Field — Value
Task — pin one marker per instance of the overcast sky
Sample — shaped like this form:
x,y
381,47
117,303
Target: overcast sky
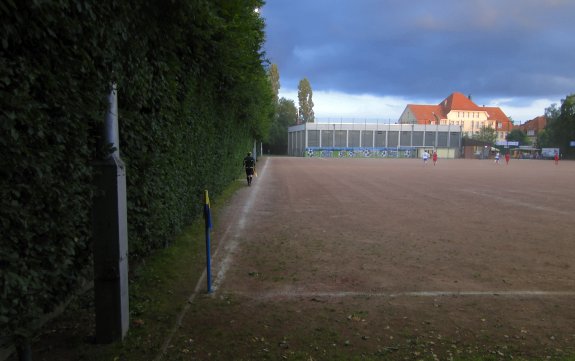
x,y
370,58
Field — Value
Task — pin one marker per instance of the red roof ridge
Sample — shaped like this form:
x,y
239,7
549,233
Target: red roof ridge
x,y
427,112
458,101
495,113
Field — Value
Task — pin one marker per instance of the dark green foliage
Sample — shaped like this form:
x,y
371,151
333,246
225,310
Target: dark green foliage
x,y
286,116
543,139
193,94
560,129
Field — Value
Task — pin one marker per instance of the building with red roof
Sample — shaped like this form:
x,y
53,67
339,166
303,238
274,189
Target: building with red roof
x,y
459,110
533,127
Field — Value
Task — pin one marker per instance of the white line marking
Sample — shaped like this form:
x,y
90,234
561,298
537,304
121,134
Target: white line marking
x,y
510,294
234,239
517,202
224,267
180,317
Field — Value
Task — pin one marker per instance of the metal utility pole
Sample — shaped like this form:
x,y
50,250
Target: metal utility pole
x,y
110,233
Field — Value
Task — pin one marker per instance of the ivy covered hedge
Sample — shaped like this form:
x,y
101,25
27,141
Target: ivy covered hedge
x,y
192,94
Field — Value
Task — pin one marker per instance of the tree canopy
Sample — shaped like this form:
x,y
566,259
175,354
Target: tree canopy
x,y
304,96
274,78
560,129
286,116
486,134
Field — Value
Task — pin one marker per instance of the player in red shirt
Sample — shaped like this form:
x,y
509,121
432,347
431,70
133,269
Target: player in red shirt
x,y
434,157
556,158
507,158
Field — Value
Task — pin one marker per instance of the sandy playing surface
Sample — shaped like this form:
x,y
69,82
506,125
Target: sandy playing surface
x,y
385,257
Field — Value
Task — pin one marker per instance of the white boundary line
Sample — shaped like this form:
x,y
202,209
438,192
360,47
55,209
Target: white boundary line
x,y
508,294
234,240
517,202
225,264
180,317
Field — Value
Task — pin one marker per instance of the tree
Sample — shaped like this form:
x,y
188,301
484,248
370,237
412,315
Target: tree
x,y
566,125
517,135
552,113
560,128
304,95
286,116
274,77
544,139
552,116
486,134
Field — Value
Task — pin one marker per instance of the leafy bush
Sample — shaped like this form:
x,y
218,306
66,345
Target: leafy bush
x,y
193,95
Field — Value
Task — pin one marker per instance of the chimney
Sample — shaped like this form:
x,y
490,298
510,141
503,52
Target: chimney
x,y
469,96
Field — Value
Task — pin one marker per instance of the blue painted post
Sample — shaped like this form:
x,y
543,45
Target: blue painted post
x,y
208,226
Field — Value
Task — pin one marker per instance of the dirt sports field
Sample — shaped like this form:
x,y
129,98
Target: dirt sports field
x,y
324,259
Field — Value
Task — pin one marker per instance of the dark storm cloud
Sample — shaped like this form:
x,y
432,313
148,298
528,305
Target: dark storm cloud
x,y
422,48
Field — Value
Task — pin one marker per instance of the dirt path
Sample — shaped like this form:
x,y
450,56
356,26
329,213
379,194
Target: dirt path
x,y
327,258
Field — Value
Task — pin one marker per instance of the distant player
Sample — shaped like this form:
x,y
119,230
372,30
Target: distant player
x,y
425,157
507,156
496,158
434,157
250,166
556,158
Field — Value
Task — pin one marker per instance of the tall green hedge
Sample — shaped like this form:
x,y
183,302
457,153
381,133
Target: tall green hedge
x,y
192,93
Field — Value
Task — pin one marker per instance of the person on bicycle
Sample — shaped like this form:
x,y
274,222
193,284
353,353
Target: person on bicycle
x,y
250,166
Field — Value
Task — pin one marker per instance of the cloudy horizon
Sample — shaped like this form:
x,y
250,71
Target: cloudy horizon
x,y
370,58
359,107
